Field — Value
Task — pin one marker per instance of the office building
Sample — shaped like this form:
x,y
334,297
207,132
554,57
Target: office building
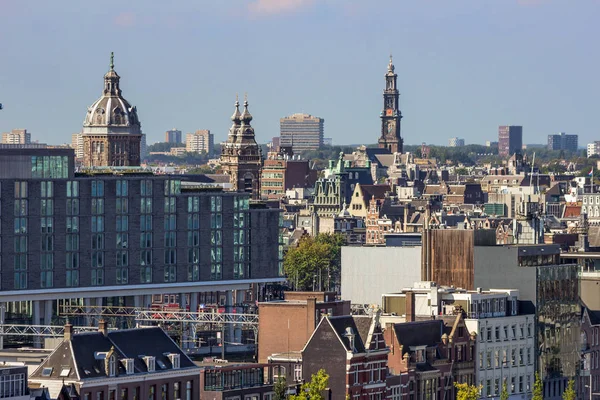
x,y
510,140
201,141
13,383
593,149
391,138
456,142
111,130
77,145
143,147
16,136
123,235
281,172
173,136
301,132
562,141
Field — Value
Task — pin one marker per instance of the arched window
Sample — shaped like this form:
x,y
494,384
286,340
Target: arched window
x,y
112,366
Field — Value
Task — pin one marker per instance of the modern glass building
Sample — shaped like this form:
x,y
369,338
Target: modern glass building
x,y
120,236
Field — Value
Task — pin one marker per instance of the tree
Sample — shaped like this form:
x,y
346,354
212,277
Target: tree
x,y
538,388
315,263
314,389
280,388
569,393
464,391
504,393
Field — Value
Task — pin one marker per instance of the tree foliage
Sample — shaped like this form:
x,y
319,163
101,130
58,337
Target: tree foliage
x,y
538,388
315,263
314,389
279,388
504,393
569,393
464,391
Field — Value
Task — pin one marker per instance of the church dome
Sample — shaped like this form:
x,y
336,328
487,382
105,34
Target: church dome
x,y
111,113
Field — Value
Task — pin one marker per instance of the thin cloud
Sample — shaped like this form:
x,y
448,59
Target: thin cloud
x,y
125,19
276,7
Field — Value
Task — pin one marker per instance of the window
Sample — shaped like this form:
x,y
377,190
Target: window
x,y
97,188
149,360
176,393
188,390
164,391
174,358
112,366
297,372
124,394
489,359
152,392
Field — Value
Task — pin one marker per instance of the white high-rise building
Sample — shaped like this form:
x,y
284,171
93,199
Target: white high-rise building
x,y
456,142
593,149
16,136
77,145
199,141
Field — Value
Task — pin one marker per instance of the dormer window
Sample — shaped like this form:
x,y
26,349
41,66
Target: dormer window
x,y
112,366
175,360
128,363
150,363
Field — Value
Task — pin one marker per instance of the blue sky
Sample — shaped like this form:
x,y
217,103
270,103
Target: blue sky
x,y
464,66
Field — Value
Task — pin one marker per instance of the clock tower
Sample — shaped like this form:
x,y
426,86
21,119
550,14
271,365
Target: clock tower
x,y
390,116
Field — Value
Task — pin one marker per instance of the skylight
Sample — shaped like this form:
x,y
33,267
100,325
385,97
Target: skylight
x,y
65,372
47,371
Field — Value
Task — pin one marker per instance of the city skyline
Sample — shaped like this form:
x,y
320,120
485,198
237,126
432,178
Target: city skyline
x,y
466,65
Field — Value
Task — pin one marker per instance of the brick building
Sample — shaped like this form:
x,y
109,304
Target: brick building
x,y
590,348
352,350
237,381
434,353
286,325
281,172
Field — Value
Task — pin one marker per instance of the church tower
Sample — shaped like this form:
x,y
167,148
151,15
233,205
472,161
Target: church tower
x,y
111,133
241,157
390,116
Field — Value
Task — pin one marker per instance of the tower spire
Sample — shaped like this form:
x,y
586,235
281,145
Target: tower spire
x,y
246,116
112,61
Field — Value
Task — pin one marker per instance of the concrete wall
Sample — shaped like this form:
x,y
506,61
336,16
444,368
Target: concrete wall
x,y
369,272
497,267
590,289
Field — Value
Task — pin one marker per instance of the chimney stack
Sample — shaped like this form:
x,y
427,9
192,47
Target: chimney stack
x,y
102,327
68,333
410,306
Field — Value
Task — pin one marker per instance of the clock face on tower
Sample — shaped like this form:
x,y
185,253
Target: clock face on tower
x,y
389,112
390,128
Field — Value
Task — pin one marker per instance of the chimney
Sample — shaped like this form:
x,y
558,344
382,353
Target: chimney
x,y
410,306
68,334
102,327
311,315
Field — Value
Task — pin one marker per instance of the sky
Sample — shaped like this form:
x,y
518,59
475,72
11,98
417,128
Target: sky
x,y
464,66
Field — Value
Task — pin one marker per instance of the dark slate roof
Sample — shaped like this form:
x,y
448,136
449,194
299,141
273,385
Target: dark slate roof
x,y
378,191
594,316
148,342
363,325
85,346
419,333
340,325
81,354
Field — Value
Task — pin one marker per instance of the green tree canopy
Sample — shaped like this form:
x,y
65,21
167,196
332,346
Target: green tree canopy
x,y
279,388
569,393
538,388
314,389
504,393
315,263
464,391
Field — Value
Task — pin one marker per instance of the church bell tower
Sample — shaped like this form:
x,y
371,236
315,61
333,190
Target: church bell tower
x,y
390,116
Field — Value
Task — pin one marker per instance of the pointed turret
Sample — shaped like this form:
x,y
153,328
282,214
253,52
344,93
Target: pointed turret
x,y
391,67
236,118
246,116
111,79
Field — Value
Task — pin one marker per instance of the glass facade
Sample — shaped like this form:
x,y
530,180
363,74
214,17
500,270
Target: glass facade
x,y
49,167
